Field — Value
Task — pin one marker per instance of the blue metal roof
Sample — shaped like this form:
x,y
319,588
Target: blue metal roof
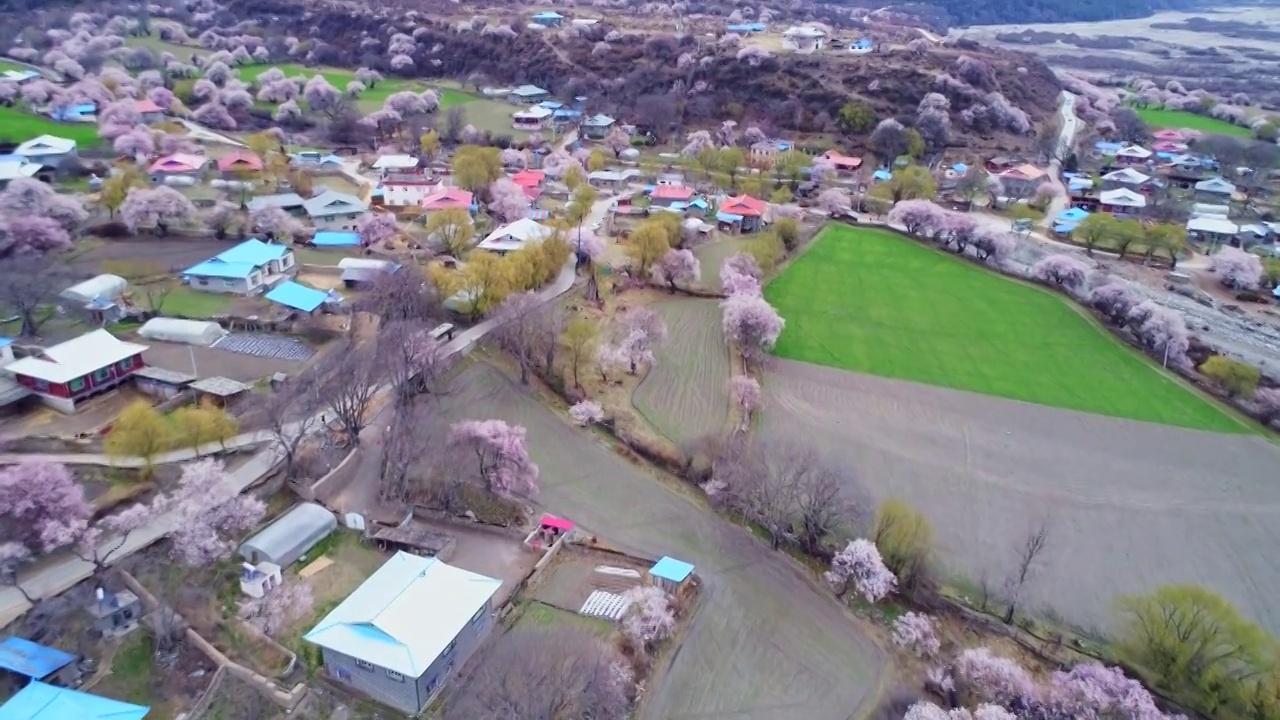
x,y
549,14
215,268
551,104
5,341
882,175
38,701
728,217
253,252
746,27
669,568
32,659
1072,215
297,296
960,168
330,238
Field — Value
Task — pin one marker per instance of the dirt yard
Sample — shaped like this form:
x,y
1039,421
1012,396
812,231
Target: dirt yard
x,y
574,575
212,361
489,553
1130,505
165,253
685,395
766,643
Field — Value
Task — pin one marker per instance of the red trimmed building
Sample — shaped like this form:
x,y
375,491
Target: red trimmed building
x,y
78,369
744,212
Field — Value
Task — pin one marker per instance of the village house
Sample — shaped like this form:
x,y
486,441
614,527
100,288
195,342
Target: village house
x,y
405,631
1000,163
597,127
742,214
448,198
548,19
150,112
530,181
531,119
332,210
74,371
19,76
613,180
843,163
805,38
1133,155
246,269
1166,146
77,113
299,297
765,153
406,189
1021,181
47,150
1210,210
177,165
667,195
1122,201
1214,229
312,159
13,167
513,236
291,203
1215,189
1125,177
395,163
361,272
239,163
527,95
1169,135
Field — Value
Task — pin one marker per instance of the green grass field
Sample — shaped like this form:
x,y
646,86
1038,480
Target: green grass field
x,y
870,301
6,65
1183,120
17,125
194,304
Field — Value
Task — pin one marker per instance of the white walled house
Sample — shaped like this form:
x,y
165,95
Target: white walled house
x,y
331,210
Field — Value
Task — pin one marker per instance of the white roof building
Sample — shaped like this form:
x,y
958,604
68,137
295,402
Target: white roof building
x,y
406,614
1212,225
804,31
536,112
395,162
104,287
177,330
1134,152
331,202
76,358
22,168
45,145
1122,197
1216,186
513,236
1127,176
1207,210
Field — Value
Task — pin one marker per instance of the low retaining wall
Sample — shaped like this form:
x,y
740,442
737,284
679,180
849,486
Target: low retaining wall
x,y
337,477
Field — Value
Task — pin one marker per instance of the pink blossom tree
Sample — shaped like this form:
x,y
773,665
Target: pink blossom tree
x,y
100,543
208,514
834,201
276,223
1237,269
321,96
677,266
407,103
992,246
586,412
649,618
617,140
916,632
163,97
137,142
376,228
118,118
822,170
1162,331
610,357
860,563
644,332
557,164
282,606
1065,271
752,324
917,217
734,283
217,72
1115,302
512,158
984,676
507,200
236,100
501,454
276,91
745,392
28,197
215,115
42,507
696,142
1093,690
32,235
160,207
288,112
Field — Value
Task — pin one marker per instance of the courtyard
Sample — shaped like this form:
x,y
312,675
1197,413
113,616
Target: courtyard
x,y
870,301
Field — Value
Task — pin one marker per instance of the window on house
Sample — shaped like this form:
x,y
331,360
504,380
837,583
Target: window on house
x,y
450,648
479,614
228,283
398,677
76,385
126,363
203,282
41,384
103,374
364,664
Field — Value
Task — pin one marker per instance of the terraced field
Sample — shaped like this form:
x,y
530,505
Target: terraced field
x,y
685,395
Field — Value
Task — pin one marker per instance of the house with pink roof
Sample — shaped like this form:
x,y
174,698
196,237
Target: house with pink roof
x,y
177,164
448,198
1169,135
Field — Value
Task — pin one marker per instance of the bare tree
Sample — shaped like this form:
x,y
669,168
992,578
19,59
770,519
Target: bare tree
x,y
291,413
350,377
402,295
744,482
409,441
414,363
550,323
28,286
156,294
562,673
518,329
1027,552
826,499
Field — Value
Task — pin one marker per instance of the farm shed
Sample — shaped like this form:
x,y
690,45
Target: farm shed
x,y
107,287
190,332
290,536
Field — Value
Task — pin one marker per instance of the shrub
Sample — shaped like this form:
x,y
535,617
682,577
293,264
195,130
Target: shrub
x,y
905,540
1237,378
788,232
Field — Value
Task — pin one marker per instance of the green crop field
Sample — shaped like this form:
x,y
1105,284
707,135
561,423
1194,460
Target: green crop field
x,y
870,301
17,125
1183,120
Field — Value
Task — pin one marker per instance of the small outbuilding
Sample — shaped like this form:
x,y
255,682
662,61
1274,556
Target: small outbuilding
x,y
219,391
357,272
674,576
189,332
105,287
290,536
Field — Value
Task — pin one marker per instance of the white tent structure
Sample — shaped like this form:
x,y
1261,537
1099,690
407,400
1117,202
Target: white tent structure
x,y
102,287
290,536
190,332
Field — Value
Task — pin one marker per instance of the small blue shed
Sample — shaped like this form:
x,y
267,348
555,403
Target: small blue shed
x,y
674,576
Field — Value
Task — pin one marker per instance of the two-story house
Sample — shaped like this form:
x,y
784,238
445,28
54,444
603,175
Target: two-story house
x,y
400,635
47,150
249,268
332,210
78,369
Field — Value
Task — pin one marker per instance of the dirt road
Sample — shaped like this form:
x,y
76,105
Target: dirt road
x,y
766,644
1131,505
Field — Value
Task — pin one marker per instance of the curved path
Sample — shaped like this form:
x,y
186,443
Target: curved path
x,y
766,643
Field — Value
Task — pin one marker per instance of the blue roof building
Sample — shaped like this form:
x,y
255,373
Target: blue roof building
x,y
38,701
241,270
73,113
671,574
742,28
32,660
882,175
862,45
548,17
335,238
253,252
298,296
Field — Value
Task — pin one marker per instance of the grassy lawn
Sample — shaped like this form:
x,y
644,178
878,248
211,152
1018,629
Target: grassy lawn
x,y
537,614
6,65
870,301
131,670
1183,120
19,126
194,304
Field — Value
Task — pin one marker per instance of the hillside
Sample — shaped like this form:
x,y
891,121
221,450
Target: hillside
x,y
1000,12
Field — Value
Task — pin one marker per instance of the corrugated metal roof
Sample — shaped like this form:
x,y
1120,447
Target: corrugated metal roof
x,y
31,659
405,615
39,701
253,252
214,268
297,296
76,357
669,568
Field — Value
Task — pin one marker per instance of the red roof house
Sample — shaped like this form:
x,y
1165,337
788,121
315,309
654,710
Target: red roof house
x,y
1170,135
529,178
668,194
146,107
744,205
240,161
179,164
448,198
